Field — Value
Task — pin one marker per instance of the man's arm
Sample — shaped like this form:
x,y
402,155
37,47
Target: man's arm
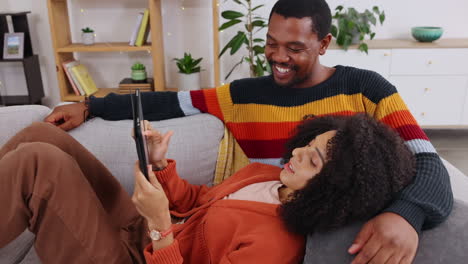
x,y
156,106
392,237
428,200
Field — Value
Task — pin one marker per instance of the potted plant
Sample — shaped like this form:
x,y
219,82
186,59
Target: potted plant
x,y
189,72
247,36
351,26
138,72
87,36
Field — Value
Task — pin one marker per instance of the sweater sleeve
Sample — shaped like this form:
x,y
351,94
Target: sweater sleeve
x,y
272,248
162,105
182,195
428,200
169,255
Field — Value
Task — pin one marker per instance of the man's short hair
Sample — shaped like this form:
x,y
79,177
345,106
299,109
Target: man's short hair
x,y
317,10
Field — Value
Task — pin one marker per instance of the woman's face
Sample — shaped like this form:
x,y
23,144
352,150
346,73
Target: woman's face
x,y
306,162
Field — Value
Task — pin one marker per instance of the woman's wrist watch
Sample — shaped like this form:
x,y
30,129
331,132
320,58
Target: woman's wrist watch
x,y
156,235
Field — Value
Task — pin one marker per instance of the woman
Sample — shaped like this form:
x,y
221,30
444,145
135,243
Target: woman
x,y
337,169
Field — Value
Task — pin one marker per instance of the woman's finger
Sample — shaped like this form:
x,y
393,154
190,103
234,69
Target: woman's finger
x,y
166,137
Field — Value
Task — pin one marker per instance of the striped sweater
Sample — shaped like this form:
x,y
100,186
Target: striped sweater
x,y
262,115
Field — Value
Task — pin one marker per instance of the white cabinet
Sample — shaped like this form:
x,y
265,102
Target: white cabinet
x,y
378,60
429,62
432,81
433,100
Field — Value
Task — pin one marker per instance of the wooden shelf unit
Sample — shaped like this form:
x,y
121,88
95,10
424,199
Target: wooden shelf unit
x,y
59,20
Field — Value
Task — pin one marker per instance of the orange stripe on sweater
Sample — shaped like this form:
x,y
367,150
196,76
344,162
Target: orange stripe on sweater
x,y
212,103
399,118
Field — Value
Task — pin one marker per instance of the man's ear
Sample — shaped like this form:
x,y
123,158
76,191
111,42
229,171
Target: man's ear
x,y
324,43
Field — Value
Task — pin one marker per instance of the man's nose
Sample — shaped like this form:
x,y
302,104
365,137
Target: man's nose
x,y
281,55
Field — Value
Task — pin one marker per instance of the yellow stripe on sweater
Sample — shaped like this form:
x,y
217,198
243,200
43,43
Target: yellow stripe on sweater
x,y
389,105
225,101
270,113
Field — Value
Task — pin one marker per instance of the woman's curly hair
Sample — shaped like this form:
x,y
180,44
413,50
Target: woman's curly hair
x,y
368,164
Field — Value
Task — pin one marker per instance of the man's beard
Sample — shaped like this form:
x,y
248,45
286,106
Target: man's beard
x,y
294,81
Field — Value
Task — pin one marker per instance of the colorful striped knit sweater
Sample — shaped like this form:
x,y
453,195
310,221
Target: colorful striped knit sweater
x,y
262,115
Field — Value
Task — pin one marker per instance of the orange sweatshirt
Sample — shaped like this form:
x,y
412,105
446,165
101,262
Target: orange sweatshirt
x,y
225,231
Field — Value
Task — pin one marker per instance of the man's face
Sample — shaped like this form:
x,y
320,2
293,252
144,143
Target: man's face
x,y
292,49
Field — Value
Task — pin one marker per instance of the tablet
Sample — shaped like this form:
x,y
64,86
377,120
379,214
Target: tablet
x,y
138,129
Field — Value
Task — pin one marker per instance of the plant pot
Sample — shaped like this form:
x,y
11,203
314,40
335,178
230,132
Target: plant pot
x,y
139,76
187,82
87,38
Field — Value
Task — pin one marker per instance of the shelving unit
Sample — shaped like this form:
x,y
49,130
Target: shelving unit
x,y
32,71
59,20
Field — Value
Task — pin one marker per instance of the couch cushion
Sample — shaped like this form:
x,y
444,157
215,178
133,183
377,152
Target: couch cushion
x,y
15,118
446,243
15,251
194,146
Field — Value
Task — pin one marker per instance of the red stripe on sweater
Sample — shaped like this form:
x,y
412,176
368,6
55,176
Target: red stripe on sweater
x,y
268,130
263,149
198,100
410,132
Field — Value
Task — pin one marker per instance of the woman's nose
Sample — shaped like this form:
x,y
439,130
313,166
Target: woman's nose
x,y
297,153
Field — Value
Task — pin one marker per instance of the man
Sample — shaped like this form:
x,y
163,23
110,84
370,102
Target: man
x,y
261,113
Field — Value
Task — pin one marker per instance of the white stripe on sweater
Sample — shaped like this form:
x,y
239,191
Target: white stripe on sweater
x,y
274,162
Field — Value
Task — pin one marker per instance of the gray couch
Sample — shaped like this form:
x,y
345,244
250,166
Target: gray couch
x,y
194,145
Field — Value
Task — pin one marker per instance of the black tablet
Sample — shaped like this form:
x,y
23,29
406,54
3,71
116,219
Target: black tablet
x,y
138,129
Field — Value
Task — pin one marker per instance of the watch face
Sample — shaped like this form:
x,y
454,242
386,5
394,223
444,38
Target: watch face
x,y
155,235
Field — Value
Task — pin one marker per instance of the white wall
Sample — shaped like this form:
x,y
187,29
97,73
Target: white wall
x,y
191,30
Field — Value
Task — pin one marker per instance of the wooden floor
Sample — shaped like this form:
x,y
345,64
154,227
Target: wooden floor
x,y
452,145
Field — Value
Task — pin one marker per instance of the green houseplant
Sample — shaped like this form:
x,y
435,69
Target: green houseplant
x,y
351,26
255,46
87,36
138,72
189,72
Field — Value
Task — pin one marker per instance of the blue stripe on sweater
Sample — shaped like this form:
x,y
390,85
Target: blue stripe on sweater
x,y
420,146
186,105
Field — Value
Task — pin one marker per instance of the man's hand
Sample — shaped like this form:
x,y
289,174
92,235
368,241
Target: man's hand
x,y
387,238
68,116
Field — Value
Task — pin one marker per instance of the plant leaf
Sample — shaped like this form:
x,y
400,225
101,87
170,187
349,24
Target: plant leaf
x,y
376,9
339,8
372,35
258,40
229,24
334,31
258,49
259,68
258,23
229,14
228,45
257,7
240,37
382,18
363,47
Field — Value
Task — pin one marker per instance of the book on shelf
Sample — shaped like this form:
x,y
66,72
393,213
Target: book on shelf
x,y
84,78
144,29
136,30
67,65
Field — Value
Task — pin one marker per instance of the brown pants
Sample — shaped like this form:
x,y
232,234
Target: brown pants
x,y
52,185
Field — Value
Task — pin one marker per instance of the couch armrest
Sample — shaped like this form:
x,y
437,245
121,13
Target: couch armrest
x,y
446,243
